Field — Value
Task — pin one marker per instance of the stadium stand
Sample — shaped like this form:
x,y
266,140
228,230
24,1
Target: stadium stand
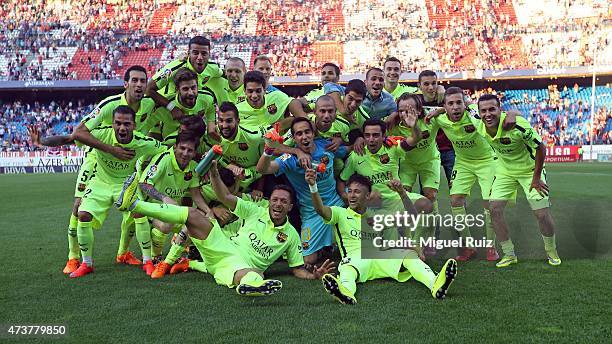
x,y
456,34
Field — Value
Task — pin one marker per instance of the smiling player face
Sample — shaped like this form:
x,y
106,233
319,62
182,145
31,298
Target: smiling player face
x,y
265,67
328,74
123,125
357,196
234,70
393,69
375,82
325,112
280,205
303,136
184,152
489,112
254,94
198,57
227,124
374,137
454,106
188,93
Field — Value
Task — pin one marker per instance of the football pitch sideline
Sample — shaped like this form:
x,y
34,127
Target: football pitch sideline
x,y
527,302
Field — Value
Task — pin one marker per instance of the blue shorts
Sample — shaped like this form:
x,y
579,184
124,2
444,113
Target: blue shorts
x,y
315,234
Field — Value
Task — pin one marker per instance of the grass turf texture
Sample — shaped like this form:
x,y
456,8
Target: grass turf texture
x,y
529,302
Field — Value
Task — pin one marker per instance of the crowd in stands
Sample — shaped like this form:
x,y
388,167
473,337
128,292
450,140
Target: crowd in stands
x,y
561,116
452,34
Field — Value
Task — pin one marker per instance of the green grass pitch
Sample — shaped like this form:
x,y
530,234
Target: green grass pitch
x,y
529,302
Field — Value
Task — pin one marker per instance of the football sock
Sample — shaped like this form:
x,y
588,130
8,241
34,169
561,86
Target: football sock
x,y
127,233
143,235
86,241
164,212
432,224
550,245
175,253
197,266
490,232
251,277
158,239
348,277
418,269
73,242
460,212
507,247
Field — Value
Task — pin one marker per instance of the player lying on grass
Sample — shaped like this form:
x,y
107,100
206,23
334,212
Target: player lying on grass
x,y
102,191
350,233
263,238
521,156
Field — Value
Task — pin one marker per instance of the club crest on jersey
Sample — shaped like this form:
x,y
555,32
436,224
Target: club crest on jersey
x,y
205,80
243,146
152,171
324,159
240,99
166,73
188,176
285,157
469,128
272,109
384,158
305,245
95,112
81,187
281,237
425,134
505,141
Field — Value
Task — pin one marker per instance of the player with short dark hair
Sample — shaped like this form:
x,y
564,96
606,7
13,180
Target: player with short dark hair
x,y
378,103
350,233
393,71
111,171
521,153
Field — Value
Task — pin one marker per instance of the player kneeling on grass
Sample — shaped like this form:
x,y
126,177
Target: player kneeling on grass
x,y
265,236
349,231
518,166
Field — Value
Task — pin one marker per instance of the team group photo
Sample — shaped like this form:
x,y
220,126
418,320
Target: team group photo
x,y
295,171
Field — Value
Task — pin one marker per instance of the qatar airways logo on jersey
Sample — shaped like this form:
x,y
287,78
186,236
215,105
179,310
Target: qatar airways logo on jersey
x,y
116,165
464,143
260,246
378,178
363,235
174,193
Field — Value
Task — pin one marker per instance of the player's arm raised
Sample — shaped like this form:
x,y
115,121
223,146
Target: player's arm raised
x,y
49,141
223,195
397,186
321,209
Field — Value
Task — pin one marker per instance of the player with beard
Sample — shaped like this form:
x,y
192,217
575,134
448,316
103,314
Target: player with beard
x,y
191,102
316,236
162,87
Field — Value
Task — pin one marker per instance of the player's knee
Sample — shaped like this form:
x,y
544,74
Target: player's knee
x,y
541,214
85,216
424,205
76,205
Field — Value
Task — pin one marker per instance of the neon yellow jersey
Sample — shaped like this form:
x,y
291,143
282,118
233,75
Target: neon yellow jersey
x,y
164,173
380,167
111,170
204,107
102,114
260,242
276,103
426,149
211,77
401,89
346,224
468,144
515,148
235,96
